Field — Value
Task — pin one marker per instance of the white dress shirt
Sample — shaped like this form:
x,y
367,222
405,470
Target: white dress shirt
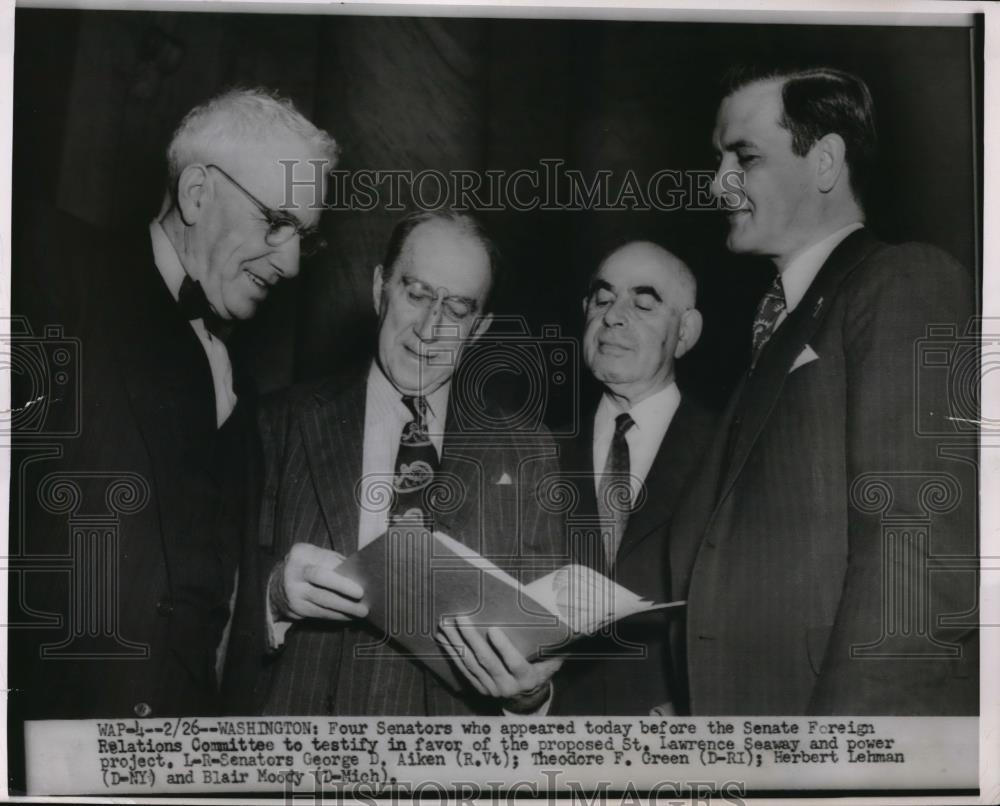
x,y
385,416
652,418
799,274
172,272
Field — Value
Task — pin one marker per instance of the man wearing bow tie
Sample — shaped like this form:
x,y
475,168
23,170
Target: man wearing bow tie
x,y
350,457
646,439
813,554
164,414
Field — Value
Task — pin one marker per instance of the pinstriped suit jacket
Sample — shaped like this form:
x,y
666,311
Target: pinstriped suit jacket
x,y
812,550
313,442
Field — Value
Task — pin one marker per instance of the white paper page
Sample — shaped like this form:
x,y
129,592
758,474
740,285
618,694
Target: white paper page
x,y
587,599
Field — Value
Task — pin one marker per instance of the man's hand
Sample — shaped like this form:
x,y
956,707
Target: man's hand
x,y
306,585
495,667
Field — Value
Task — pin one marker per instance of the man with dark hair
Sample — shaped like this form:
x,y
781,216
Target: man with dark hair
x,y
329,450
821,101
812,520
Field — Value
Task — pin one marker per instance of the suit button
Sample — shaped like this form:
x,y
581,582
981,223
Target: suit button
x,y
142,710
164,607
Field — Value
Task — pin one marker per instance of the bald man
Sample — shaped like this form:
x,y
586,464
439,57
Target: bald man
x,y
638,448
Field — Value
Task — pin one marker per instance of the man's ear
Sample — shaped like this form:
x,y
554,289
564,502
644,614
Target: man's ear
x,y
830,153
378,283
689,332
194,191
482,325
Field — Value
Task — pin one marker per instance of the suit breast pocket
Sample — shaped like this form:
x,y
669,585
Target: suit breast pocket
x,y
805,357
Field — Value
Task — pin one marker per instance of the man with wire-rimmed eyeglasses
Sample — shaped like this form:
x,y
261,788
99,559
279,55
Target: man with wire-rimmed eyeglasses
x,y
354,456
165,427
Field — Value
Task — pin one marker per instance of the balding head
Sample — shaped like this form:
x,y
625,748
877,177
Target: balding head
x,y
640,317
638,254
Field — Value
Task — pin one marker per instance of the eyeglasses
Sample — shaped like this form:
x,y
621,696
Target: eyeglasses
x,y
281,226
457,309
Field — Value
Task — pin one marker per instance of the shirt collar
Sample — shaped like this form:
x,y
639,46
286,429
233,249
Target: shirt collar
x,y
389,398
166,259
646,413
800,273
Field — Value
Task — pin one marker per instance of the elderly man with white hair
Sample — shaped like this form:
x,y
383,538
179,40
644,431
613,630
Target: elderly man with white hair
x,y
164,447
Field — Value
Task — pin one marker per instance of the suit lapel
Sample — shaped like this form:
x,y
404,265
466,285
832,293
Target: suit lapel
x,y
577,462
665,480
393,682
166,369
464,461
763,385
332,427
167,377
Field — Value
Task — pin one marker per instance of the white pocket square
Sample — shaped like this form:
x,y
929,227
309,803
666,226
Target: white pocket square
x,y
807,355
505,479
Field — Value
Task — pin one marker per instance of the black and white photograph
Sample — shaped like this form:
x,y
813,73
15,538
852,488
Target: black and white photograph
x,y
498,402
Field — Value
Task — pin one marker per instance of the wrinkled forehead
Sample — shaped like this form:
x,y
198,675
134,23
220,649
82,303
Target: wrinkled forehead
x,y
634,269
444,254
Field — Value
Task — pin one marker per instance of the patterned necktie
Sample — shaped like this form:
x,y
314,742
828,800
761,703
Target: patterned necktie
x,y
614,492
416,464
768,312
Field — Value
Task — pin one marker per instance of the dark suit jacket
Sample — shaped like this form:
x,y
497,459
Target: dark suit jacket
x,y
812,549
313,440
628,672
151,493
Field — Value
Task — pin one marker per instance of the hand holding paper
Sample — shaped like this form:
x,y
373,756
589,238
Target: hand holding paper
x,y
494,666
306,585
503,636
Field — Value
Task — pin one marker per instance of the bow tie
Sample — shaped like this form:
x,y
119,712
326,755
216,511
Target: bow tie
x,y
193,304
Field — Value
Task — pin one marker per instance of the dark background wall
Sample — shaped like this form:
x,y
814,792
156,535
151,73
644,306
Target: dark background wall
x,y
97,95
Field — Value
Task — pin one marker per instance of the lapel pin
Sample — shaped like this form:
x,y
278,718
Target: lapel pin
x,y
817,306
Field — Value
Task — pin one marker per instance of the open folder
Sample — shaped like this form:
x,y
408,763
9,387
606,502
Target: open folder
x,y
414,578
